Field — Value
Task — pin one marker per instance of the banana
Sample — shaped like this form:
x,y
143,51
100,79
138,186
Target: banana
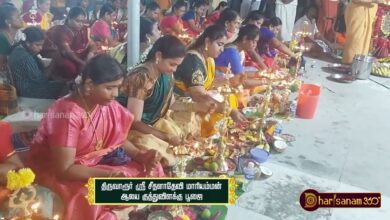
x,y
381,70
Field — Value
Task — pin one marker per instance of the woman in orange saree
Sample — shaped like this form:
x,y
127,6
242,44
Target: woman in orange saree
x,y
83,135
327,17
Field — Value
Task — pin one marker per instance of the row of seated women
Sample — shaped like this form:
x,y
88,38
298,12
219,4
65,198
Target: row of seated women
x,y
67,47
95,136
89,134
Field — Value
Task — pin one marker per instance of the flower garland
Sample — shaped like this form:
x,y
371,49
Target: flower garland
x,y
20,179
384,31
380,41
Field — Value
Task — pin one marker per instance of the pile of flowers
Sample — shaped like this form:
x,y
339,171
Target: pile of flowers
x,y
20,179
381,42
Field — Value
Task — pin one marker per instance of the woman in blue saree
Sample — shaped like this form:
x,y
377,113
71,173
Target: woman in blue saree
x,y
147,93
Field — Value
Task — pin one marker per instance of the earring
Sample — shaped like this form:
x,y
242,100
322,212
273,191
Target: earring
x,y
206,48
157,61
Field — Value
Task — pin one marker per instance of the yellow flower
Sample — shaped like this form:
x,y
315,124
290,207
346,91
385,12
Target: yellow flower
x,y
185,217
23,178
27,177
13,180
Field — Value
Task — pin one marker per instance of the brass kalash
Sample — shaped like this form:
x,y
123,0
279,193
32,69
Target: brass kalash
x,y
263,109
222,125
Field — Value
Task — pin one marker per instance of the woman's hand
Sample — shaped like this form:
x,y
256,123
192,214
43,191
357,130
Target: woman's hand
x,y
213,107
150,159
173,140
116,174
238,117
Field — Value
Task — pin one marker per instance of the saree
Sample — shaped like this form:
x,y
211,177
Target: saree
x,y
65,125
102,32
191,15
46,21
5,141
5,45
326,18
156,105
202,73
168,23
359,20
157,96
78,43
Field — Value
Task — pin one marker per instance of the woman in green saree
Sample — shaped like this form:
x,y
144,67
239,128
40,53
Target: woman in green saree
x,y
195,77
148,93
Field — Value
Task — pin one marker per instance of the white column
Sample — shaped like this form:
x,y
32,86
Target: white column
x,y
133,29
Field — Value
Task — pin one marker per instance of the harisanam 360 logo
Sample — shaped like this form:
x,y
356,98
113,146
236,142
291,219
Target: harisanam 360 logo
x,y
311,200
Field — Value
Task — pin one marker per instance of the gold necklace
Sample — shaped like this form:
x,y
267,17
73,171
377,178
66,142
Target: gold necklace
x,y
99,142
152,72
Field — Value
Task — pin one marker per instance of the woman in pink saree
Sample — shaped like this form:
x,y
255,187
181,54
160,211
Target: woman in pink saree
x,y
84,135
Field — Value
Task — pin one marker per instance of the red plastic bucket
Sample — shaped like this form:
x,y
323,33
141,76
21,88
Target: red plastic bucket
x,y
307,101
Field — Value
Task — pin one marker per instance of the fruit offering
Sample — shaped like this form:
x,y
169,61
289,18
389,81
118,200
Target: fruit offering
x,y
381,69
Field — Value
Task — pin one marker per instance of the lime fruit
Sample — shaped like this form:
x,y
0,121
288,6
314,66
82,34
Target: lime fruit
x,y
214,166
206,165
206,214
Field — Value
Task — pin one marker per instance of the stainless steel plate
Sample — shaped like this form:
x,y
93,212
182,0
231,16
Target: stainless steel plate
x,y
338,68
160,215
345,78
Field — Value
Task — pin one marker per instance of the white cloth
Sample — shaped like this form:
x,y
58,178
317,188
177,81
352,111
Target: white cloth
x,y
248,6
215,3
286,13
30,114
305,25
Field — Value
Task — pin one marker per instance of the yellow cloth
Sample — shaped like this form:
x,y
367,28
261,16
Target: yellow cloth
x,y
359,18
188,122
208,126
149,141
47,18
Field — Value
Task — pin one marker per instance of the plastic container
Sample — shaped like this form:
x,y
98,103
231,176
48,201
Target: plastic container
x,y
308,100
278,129
293,109
259,155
